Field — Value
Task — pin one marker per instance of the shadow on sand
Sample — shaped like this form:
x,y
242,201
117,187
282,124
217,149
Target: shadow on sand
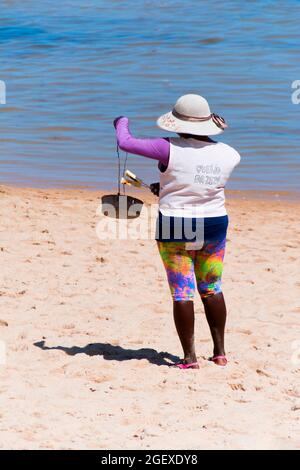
x,y
115,353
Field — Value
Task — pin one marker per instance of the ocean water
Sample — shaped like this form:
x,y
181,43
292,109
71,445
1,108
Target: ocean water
x,y
70,67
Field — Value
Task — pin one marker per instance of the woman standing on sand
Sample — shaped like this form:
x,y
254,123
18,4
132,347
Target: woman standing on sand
x,y
192,221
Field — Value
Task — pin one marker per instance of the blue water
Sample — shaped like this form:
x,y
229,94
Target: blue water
x,y
70,67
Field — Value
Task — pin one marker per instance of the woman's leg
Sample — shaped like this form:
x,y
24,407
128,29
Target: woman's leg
x,y
208,270
215,311
183,311
179,265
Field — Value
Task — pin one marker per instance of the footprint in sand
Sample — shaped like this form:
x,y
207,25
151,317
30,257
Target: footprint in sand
x,y
68,326
98,379
236,375
240,330
237,386
262,373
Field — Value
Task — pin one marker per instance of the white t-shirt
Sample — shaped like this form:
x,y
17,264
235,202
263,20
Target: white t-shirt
x,y
193,184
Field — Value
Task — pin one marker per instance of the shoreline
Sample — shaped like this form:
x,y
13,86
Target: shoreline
x,y
263,195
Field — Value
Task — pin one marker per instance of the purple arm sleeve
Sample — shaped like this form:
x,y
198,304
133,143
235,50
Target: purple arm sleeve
x,y
158,149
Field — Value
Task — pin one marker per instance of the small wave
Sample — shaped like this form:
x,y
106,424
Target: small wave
x,y
17,32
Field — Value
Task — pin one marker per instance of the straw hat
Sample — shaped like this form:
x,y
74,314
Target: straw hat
x,y
191,115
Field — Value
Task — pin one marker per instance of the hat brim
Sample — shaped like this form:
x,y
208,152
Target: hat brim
x,y
169,122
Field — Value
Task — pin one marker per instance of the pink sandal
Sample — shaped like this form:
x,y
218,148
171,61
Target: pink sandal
x,y
214,358
182,365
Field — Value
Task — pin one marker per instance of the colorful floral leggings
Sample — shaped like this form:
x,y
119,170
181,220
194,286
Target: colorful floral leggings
x,y
184,266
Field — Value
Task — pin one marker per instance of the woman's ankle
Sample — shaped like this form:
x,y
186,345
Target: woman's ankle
x,y
219,351
190,358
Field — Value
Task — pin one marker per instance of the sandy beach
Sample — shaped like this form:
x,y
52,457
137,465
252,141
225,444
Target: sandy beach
x,y
87,333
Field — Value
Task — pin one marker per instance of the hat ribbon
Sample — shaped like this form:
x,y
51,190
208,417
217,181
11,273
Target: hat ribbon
x,y
218,120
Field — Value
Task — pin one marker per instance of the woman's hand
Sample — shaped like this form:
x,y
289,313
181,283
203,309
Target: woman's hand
x,y
116,120
155,187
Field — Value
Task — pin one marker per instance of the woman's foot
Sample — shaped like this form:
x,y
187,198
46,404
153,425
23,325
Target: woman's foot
x,y
186,365
219,360
189,362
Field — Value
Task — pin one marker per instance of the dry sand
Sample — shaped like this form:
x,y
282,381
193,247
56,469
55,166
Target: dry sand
x,y
88,330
